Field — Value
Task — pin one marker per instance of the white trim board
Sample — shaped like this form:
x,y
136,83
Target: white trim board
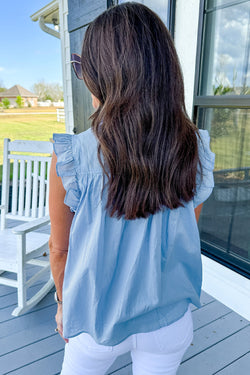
x,y
227,286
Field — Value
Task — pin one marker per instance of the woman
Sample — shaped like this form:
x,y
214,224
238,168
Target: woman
x,y
124,198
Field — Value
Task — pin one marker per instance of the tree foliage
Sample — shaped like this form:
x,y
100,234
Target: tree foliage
x,y
222,120
2,87
19,101
6,103
48,91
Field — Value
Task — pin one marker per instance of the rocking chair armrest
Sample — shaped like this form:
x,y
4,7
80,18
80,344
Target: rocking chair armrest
x,y
32,225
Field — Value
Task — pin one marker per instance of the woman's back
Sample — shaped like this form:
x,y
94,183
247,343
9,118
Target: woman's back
x,y
128,275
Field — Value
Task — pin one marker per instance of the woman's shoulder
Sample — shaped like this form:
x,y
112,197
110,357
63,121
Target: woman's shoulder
x,y
85,147
206,156
82,148
86,137
204,178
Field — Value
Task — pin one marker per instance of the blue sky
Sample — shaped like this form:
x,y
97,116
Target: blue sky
x,y
27,54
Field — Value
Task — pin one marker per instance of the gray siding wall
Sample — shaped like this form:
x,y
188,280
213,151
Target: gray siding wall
x,y
81,13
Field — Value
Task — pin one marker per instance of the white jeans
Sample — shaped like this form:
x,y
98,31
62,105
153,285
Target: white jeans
x,y
153,353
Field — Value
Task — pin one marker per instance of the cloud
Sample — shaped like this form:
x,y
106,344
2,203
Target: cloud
x,y
1,68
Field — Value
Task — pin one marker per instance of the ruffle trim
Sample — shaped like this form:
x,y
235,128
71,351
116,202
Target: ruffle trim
x,y
66,169
204,181
207,157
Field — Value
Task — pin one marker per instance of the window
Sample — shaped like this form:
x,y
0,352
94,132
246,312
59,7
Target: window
x,y
164,9
222,106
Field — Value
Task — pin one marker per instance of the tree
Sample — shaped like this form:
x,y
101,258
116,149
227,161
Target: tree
x,y
6,103
19,101
2,87
48,91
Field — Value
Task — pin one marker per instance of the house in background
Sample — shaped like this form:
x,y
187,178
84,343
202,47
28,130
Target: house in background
x,y
212,39
29,99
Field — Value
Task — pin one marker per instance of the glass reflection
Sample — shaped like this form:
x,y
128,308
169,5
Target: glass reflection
x,y
158,6
226,67
224,223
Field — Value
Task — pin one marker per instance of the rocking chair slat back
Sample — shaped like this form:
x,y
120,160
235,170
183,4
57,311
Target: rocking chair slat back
x,y
47,191
28,188
29,181
35,189
14,188
42,196
21,188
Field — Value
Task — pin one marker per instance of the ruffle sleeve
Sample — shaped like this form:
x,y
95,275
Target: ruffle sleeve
x,y
66,168
204,179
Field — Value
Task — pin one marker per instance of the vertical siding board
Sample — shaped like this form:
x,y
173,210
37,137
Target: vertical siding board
x,y
81,13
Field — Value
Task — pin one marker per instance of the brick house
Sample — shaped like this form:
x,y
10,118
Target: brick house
x,y
28,97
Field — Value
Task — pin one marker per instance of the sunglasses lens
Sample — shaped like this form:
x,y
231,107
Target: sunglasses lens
x,y
76,62
78,70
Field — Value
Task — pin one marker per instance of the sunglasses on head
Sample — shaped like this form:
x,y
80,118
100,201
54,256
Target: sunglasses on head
x,y
76,63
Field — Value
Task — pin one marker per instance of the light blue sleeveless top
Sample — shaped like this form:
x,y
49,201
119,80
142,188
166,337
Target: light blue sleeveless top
x,y
125,276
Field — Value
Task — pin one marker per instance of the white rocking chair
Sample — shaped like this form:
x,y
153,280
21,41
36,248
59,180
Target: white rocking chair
x,y
22,245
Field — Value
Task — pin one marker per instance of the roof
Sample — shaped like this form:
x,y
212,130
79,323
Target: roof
x,y
50,12
17,90
48,15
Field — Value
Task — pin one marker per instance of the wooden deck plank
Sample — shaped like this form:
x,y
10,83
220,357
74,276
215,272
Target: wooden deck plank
x,y
5,311
208,313
218,356
29,354
49,365
43,312
239,367
33,334
10,299
214,332
205,298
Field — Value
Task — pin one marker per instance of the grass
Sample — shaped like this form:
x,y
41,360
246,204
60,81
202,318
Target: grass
x,y
29,109
232,150
31,127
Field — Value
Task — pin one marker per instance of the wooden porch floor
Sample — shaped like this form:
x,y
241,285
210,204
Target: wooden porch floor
x,y
29,345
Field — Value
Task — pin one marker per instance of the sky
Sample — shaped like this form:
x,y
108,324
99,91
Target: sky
x,y
27,54
231,44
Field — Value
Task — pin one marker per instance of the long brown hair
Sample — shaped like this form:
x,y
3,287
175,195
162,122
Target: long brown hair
x,y
148,143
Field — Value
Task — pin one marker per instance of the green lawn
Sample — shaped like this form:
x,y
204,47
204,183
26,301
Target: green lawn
x,y
232,150
30,127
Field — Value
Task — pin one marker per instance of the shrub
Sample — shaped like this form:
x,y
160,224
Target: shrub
x,y
19,101
6,103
